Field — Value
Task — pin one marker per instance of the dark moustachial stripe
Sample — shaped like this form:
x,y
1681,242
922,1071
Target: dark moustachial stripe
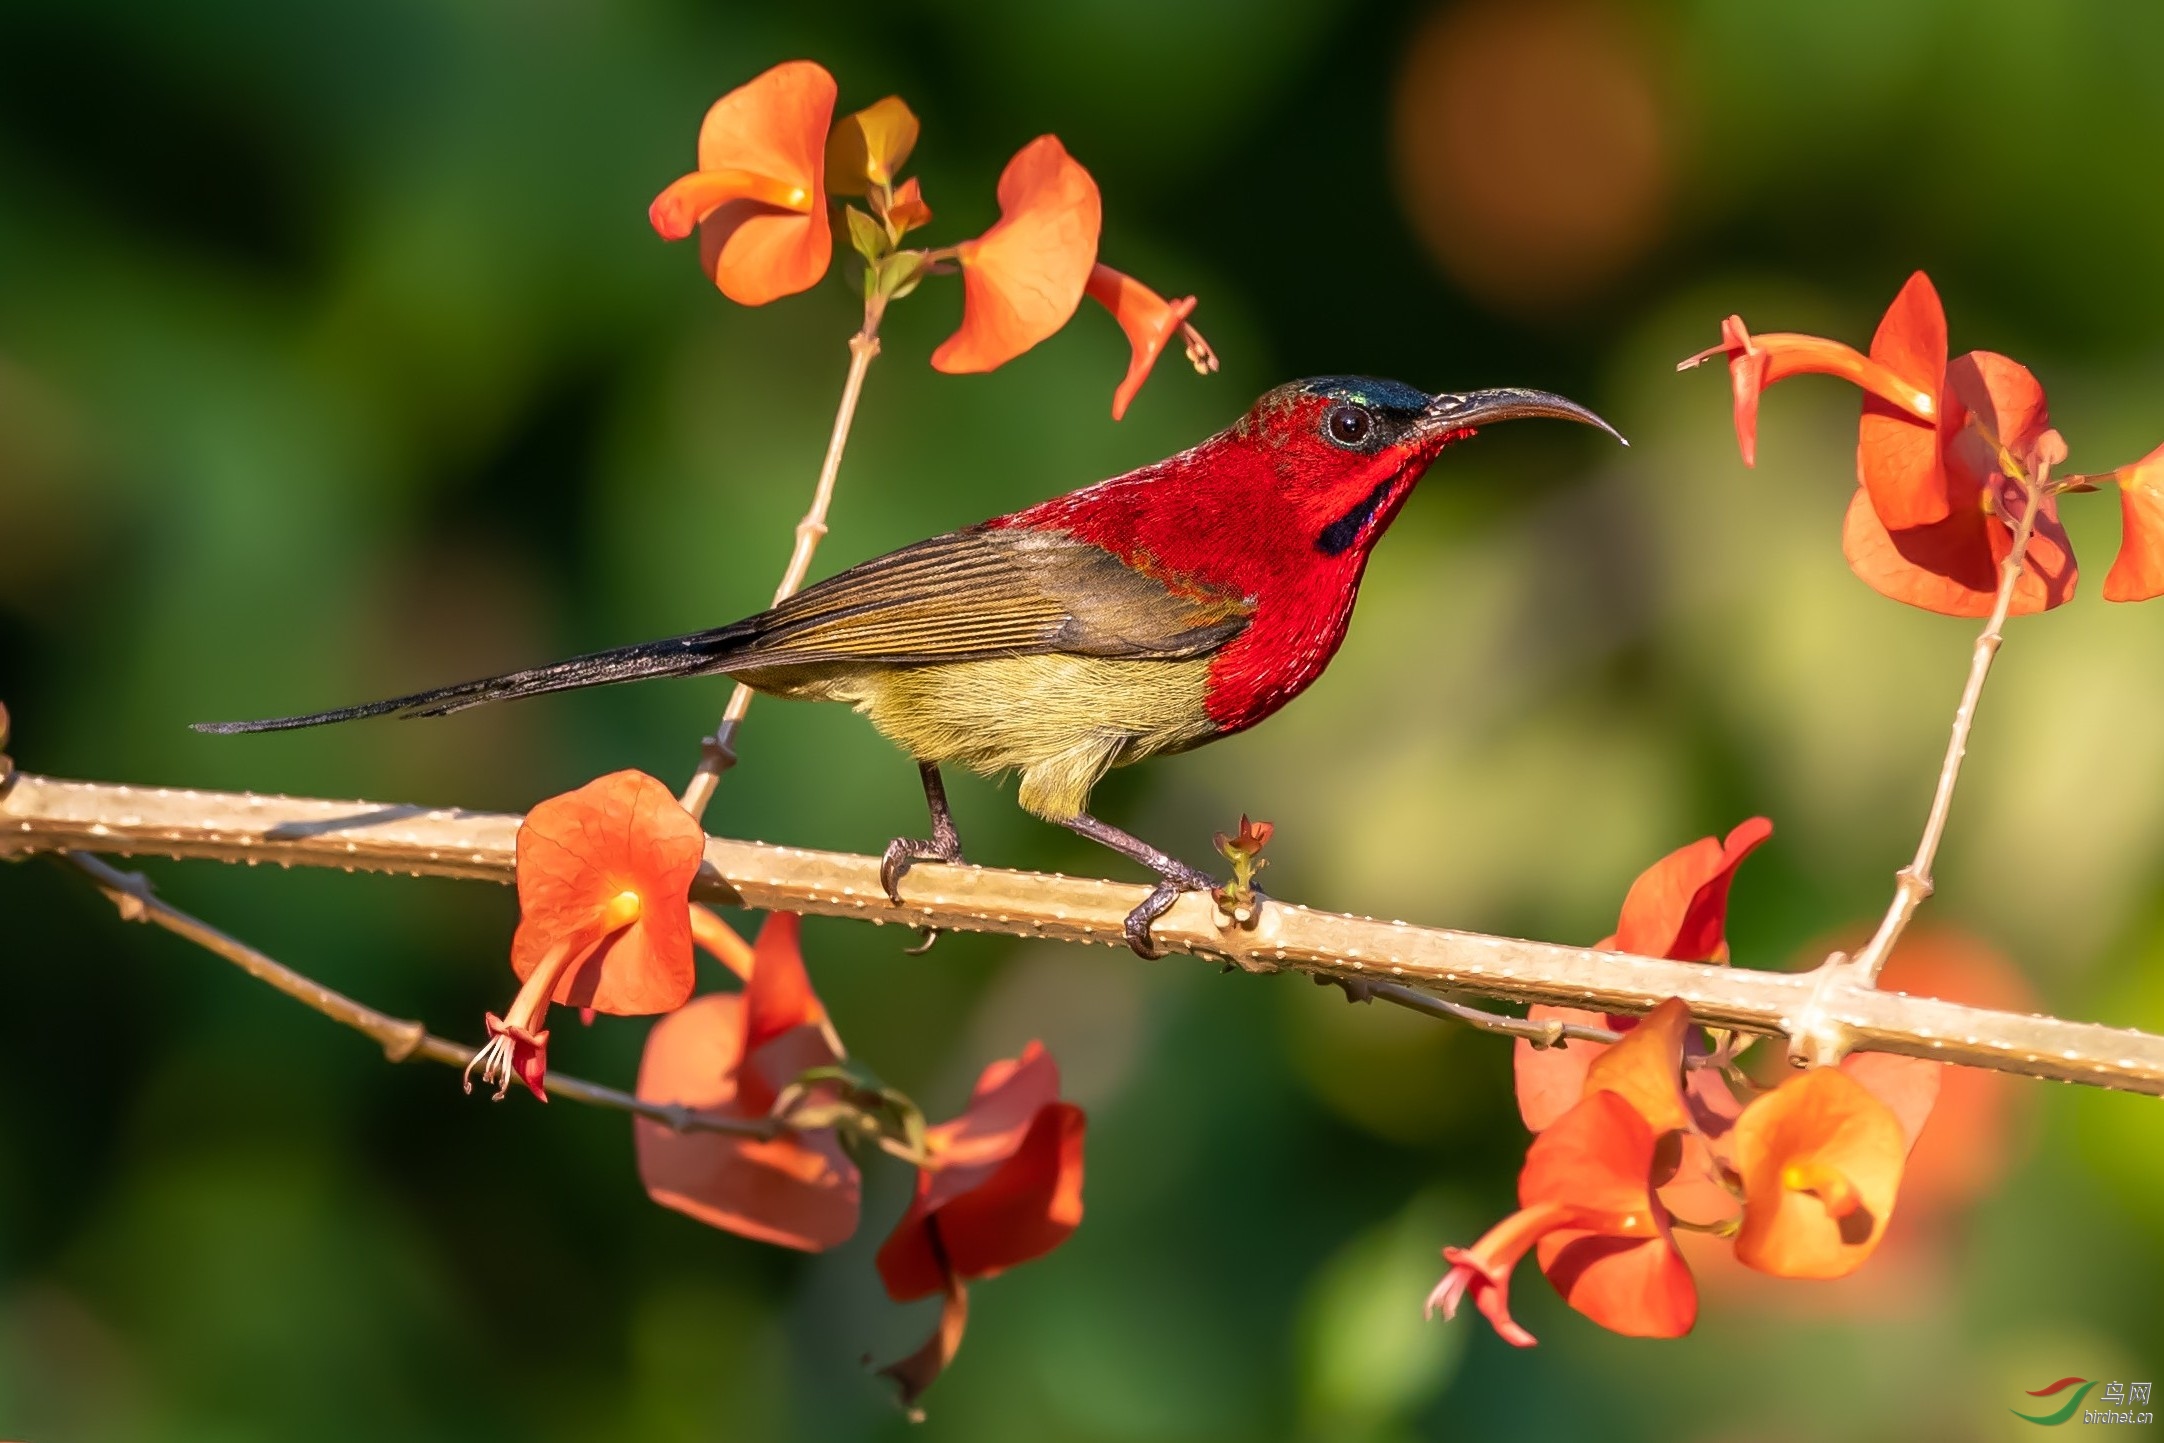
x,y
1337,538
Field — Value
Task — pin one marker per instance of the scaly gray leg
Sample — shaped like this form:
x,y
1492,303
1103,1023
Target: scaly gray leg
x,y
1178,877
944,845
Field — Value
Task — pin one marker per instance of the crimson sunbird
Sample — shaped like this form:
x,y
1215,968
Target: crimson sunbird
x,y
1156,611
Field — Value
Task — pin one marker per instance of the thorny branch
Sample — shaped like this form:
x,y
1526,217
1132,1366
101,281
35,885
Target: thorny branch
x,y
1824,1013
400,1039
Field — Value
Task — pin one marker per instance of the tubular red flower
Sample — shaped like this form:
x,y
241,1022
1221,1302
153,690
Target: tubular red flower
x,y
729,1055
1150,322
1756,362
1023,278
1588,1207
758,197
2138,572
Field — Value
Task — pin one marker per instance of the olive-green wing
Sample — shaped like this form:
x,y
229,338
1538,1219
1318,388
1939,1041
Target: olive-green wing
x,y
988,592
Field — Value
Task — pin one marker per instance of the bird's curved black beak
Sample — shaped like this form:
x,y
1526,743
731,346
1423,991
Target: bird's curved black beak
x,y
1463,410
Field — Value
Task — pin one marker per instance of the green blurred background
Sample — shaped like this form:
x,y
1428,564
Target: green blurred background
x,y
336,359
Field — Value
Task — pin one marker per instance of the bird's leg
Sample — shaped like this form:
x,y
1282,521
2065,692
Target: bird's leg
x,y
1178,877
944,845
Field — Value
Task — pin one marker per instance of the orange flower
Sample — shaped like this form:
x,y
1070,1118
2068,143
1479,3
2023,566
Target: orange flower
x,y
1932,518
1150,322
1587,1204
1023,278
2138,573
604,891
730,1054
758,197
1677,908
1952,566
1002,1185
1821,1159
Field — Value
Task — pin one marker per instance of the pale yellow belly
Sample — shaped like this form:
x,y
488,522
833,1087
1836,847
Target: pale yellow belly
x,y
1061,721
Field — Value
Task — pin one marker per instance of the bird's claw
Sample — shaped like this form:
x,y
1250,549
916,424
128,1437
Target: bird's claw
x,y
905,852
1137,926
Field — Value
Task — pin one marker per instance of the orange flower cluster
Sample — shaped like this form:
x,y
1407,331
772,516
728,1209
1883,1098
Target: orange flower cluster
x,y
606,922
1944,452
769,157
1641,1137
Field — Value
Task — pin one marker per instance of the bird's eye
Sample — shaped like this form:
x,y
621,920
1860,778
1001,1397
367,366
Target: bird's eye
x,y
1349,425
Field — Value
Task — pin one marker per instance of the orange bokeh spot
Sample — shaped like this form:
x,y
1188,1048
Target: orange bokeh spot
x,y
1533,149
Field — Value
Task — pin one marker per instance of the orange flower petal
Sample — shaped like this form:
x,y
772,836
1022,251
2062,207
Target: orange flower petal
x,y
1907,1085
1678,907
1821,1162
1952,567
870,145
1897,441
1029,1204
677,211
1615,1261
1023,278
909,210
1968,1143
1639,1287
1017,1146
2138,572
774,126
1550,1080
1149,320
1645,1069
785,1026
577,855
797,1190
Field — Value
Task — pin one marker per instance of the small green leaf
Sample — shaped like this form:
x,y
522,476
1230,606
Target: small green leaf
x,y
900,273
868,236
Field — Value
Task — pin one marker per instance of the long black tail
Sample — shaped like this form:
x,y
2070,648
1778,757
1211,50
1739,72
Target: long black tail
x,y
700,653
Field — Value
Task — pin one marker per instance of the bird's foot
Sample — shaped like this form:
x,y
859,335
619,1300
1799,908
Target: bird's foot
x,y
905,852
1159,902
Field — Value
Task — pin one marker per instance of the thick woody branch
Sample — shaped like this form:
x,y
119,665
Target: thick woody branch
x,y
1824,1013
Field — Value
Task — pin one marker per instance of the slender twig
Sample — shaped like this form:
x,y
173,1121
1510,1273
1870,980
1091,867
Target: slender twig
x,y
1912,884
1541,1032
718,753
1824,1007
400,1039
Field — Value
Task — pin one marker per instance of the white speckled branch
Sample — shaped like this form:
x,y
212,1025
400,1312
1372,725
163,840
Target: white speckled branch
x,y
1823,1014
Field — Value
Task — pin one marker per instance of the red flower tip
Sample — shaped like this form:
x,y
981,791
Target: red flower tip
x,y
511,1052
729,1055
1150,322
2138,572
758,197
1023,278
